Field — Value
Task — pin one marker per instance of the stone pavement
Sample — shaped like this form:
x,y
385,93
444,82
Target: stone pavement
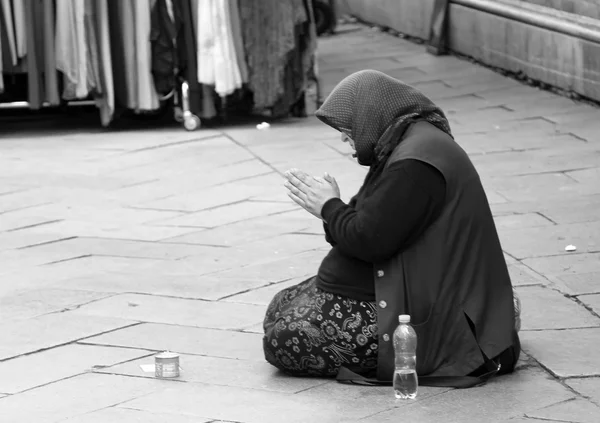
x,y
115,245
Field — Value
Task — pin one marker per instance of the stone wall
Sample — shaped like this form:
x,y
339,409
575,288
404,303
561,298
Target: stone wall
x,y
569,62
589,8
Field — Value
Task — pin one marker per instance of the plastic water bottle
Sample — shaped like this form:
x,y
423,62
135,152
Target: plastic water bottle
x,y
405,348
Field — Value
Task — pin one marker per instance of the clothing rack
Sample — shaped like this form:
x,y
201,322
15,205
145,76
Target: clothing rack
x,y
199,57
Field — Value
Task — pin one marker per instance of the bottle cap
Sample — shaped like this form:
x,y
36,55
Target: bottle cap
x,y
404,318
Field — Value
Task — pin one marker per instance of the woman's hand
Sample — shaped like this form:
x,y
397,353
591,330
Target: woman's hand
x,y
311,192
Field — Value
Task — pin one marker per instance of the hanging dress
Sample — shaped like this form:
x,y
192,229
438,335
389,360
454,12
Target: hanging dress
x,y
35,56
8,24
238,42
206,42
71,48
146,91
202,99
50,74
227,72
20,27
105,102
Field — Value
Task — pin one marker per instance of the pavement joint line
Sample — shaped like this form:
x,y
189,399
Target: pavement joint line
x,y
150,351
543,419
244,178
576,136
98,369
174,144
14,192
587,307
159,210
105,296
75,375
47,242
49,222
570,253
67,259
249,150
137,184
73,341
564,172
31,206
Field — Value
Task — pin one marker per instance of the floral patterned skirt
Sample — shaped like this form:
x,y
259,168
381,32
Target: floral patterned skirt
x,y
310,332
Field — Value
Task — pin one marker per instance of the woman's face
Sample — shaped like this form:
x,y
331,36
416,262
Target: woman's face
x,y
346,138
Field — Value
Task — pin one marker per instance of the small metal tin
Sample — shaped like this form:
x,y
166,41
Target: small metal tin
x,y
166,365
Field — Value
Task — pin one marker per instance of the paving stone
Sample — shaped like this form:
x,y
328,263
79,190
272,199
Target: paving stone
x,y
250,405
33,370
578,283
13,260
537,301
239,233
565,265
177,311
26,336
186,340
123,248
588,387
74,228
216,196
22,238
125,415
592,301
98,211
225,372
382,397
576,411
502,398
228,214
587,175
161,282
264,295
551,240
520,221
72,397
293,266
565,352
523,275
13,221
27,304
539,161
584,210
541,187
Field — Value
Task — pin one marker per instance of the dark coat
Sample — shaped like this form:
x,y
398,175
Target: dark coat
x,y
454,277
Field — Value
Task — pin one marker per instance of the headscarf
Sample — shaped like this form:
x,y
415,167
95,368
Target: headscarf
x,y
372,107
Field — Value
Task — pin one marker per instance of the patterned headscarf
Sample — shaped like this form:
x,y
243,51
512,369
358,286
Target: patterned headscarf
x,y
370,106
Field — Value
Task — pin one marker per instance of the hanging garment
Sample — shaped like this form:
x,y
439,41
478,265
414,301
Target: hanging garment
x,y
105,102
50,74
166,27
1,64
268,29
227,72
35,56
238,42
71,48
92,53
147,96
120,16
20,22
7,22
201,96
206,42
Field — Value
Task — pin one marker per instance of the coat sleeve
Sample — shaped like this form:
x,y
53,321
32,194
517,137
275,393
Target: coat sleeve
x,y
405,201
328,236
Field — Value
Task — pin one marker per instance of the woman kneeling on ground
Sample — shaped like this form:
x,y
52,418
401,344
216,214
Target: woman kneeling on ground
x,y
418,238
